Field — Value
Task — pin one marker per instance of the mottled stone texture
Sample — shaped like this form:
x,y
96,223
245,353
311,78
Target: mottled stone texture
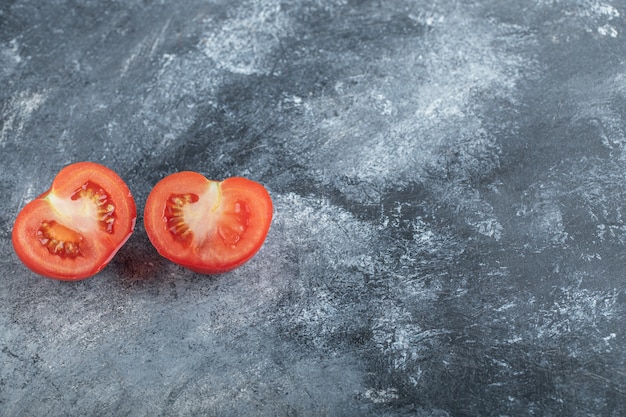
x,y
449,187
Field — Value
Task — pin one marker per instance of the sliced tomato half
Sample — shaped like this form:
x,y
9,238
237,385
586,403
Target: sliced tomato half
x,y
207,226
74,229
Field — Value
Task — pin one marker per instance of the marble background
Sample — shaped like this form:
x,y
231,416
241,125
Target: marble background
x,y
448,180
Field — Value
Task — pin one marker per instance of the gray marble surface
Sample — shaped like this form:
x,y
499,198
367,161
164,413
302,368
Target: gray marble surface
x,y
448,179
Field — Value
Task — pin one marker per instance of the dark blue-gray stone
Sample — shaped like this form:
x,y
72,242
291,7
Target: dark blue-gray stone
x,y
448,179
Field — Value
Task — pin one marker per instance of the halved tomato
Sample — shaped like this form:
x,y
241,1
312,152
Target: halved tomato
x,y
74,229
207,226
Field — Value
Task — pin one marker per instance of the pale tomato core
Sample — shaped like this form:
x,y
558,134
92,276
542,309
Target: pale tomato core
x,y
194,219
87,203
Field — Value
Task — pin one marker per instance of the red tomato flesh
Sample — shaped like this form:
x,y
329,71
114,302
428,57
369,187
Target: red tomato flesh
x,y
74,229
207,226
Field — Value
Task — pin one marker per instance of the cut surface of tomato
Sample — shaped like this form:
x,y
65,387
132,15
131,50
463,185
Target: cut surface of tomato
x,y
74,229
207,226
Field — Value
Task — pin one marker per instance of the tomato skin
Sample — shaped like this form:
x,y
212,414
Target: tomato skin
x,y
90,209
207,226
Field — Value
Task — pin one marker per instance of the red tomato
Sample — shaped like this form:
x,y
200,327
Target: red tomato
x,y
74,229
207,226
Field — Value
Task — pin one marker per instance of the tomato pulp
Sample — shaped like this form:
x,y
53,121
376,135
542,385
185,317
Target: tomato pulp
x,y
73,230
207,226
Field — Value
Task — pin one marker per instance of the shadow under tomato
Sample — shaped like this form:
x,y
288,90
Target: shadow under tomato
x,y
138,262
